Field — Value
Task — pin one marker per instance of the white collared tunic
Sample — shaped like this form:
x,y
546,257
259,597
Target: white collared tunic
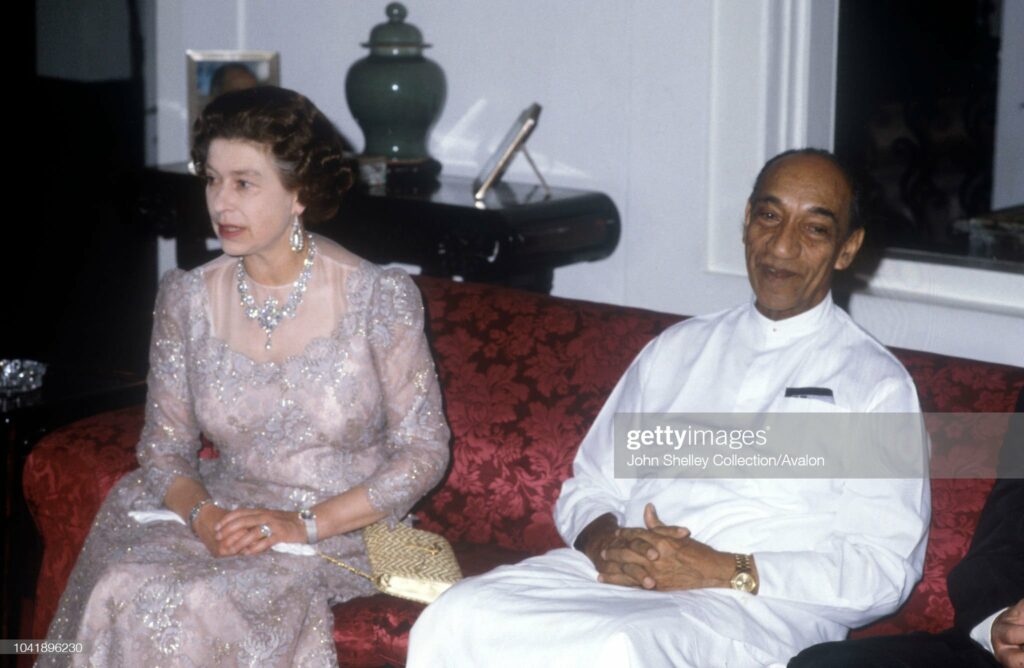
x,y
831,554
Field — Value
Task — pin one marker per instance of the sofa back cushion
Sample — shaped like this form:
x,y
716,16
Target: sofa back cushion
x,y
523,376
957,385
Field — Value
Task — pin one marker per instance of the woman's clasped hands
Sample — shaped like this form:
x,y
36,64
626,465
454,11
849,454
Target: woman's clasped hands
x,y
246,531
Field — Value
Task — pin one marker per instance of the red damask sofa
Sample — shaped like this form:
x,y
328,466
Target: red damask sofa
x,y
523,376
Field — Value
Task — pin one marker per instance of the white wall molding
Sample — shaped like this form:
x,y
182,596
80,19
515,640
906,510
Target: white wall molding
x,y
925,282
772,89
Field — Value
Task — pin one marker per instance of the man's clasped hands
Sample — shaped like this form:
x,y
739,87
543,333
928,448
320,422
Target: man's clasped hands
x,y
657,556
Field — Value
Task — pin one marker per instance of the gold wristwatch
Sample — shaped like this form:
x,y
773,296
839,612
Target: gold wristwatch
x,y
743,579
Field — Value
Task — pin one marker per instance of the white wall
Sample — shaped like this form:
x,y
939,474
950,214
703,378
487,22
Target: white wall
x,y
627,89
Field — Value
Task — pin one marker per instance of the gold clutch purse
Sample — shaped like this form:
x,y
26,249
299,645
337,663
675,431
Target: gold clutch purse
x,y
407,563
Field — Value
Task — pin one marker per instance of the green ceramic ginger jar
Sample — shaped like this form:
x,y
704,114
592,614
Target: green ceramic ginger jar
x,y
396,95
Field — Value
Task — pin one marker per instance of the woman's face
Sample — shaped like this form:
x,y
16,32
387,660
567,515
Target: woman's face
x,y
250,208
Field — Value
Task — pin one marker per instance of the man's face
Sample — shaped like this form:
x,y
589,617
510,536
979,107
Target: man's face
x,y
796,234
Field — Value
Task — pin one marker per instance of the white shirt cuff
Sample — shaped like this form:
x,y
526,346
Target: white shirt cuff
x,y
982,633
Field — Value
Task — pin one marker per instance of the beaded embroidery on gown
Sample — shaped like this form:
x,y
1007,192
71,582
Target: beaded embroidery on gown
x,y
347,396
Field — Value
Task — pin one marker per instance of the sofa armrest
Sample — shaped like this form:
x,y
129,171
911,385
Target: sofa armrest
x,y
67,475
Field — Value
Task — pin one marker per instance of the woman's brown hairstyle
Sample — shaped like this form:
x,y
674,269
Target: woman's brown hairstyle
x,y
304,145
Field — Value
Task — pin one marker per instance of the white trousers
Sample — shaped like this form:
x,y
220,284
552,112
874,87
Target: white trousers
x,y
551,611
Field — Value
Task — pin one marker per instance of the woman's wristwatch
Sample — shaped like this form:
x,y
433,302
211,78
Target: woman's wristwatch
x,y
308,518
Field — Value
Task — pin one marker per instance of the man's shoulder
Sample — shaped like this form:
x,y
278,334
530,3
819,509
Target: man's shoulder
x,y
701,327
864,362
681,345
862,345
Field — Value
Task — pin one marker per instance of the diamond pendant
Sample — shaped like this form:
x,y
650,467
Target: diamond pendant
x,y
269,316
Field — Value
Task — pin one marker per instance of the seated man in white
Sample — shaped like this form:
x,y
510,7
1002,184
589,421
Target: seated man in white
x,y
743,572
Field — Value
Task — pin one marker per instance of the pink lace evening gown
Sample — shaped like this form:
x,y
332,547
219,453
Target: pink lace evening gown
x,y
347,395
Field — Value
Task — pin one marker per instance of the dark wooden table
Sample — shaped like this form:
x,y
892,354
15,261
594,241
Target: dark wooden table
x,y
517,236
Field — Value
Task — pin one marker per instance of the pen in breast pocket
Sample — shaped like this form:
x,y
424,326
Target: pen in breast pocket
x,y
818,393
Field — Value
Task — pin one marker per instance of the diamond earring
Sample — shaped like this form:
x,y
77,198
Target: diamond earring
x,y
297,240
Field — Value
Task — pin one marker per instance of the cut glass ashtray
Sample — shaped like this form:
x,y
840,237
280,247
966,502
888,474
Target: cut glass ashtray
x,y
20,376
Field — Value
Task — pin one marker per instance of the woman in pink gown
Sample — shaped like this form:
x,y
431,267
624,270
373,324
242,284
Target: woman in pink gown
x,y
307,367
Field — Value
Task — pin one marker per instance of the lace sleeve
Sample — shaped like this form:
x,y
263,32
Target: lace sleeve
x,y
417,433
169,444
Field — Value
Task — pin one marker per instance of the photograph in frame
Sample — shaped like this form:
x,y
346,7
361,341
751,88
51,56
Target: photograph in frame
x,y
211,73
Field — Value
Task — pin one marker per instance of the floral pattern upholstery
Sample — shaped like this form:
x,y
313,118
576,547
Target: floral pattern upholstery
x,y
523,376
949,385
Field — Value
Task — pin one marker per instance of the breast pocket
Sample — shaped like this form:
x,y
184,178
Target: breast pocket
x,y
813,399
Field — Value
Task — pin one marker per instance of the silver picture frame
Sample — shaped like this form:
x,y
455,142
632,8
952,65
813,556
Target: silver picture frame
x,y
514,141
211,73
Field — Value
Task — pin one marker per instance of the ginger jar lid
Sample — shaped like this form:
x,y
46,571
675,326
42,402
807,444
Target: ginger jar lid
x,y
396,37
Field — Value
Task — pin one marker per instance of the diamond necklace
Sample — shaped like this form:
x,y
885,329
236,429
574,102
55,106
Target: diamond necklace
x,y
269,316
